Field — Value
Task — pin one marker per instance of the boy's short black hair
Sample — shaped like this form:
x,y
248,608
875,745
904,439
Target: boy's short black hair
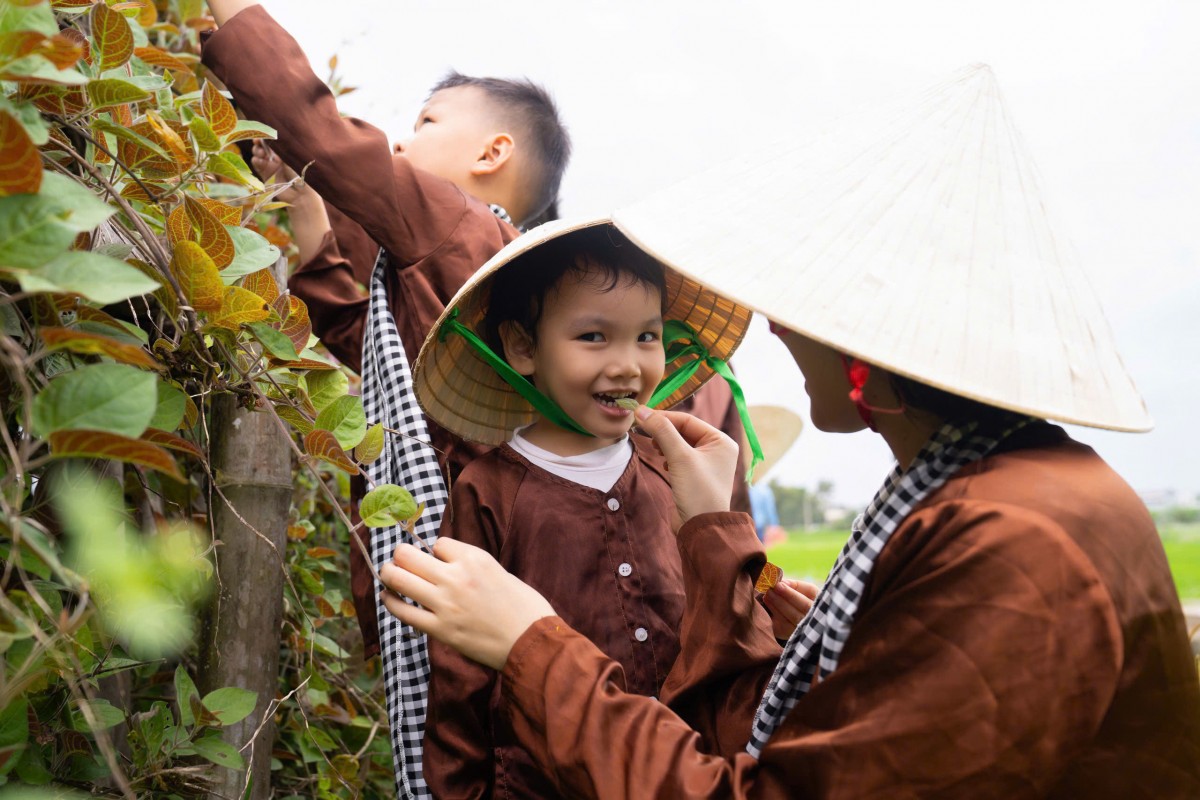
x,y
535,113
518,292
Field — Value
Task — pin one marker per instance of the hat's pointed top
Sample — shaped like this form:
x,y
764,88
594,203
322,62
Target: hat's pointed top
x,y
916,237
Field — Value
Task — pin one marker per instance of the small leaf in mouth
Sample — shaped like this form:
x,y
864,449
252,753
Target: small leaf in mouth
x,y
627,403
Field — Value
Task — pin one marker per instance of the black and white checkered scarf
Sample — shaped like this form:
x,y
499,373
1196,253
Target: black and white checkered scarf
x,y
819,638
408,460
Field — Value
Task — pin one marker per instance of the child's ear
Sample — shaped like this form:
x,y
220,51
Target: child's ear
x,y
518,347
496,153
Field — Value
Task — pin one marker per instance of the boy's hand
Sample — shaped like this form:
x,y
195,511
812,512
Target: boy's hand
x,y
788,601
271,169
468,600
225,10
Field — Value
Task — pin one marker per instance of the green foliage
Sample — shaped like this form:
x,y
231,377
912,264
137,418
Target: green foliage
x,y
136,250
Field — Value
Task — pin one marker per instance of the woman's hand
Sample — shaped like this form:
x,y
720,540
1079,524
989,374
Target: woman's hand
x,y
700,459
468,600
788,601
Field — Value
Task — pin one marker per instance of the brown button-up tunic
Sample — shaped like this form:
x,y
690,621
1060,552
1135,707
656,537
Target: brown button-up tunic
x,y
1020,636
606,560
435,234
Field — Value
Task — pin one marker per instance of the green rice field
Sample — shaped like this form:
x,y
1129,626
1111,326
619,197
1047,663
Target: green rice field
x,y
810,555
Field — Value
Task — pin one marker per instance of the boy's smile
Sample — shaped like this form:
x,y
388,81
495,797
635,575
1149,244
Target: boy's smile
x,y
594,346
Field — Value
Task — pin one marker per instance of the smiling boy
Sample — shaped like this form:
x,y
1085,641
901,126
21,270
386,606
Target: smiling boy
x,y
569,321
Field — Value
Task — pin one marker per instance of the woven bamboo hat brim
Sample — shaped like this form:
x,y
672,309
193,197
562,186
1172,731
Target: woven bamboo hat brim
x,y
778,429
465,395
917,240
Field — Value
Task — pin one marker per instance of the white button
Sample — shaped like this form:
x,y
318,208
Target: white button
x,y
641,634
625,570
613,505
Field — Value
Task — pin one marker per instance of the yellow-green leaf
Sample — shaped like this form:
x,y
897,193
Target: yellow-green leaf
x,y
238,308
204,135
107,92
198,277
387,505
371,447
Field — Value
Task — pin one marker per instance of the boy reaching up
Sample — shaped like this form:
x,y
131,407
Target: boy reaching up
x,y
483,152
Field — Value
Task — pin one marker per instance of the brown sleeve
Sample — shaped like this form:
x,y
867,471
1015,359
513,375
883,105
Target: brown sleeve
x,y
348,162
458,753
336,306
981,666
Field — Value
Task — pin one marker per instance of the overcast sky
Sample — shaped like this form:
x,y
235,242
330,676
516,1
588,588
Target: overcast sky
x,y
1106,93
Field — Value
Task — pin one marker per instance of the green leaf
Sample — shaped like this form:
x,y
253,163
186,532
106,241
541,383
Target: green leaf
x,y
277,344
251,252
185,690
38,18
34,67
233,167
14,732
98,278
387,505
371,447
231,704
219,752
344,418
172,403
153,726
30,118
107,92
36,228
107,715
99,397
205,137
326,386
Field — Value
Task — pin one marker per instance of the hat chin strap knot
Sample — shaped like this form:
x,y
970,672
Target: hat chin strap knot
x,y
857,373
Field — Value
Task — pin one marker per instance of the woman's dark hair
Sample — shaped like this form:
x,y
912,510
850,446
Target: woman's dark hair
x,y
948,406
518,292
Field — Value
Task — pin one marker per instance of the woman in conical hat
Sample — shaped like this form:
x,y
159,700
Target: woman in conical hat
x,y
1002,621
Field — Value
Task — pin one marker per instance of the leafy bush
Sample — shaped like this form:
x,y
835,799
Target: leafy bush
x,y
139,283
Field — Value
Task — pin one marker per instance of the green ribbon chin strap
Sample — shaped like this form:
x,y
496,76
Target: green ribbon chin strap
x,y
680,341
540,402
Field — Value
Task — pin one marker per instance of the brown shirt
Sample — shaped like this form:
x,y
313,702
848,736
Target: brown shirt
x,y
608,563
1020,636
435,234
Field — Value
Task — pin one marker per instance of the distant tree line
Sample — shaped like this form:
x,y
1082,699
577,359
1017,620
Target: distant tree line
x,y
800,507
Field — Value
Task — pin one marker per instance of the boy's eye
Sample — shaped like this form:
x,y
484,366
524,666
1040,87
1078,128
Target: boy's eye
x,y
592,336
649,336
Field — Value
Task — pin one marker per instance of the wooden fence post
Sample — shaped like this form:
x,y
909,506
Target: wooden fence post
x,y
241,638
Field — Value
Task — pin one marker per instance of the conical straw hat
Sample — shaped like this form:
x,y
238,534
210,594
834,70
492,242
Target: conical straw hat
x,y
465,395
917,240
777,428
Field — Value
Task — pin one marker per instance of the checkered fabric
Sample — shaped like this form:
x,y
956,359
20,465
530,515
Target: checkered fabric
x,y
408,461
820,636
